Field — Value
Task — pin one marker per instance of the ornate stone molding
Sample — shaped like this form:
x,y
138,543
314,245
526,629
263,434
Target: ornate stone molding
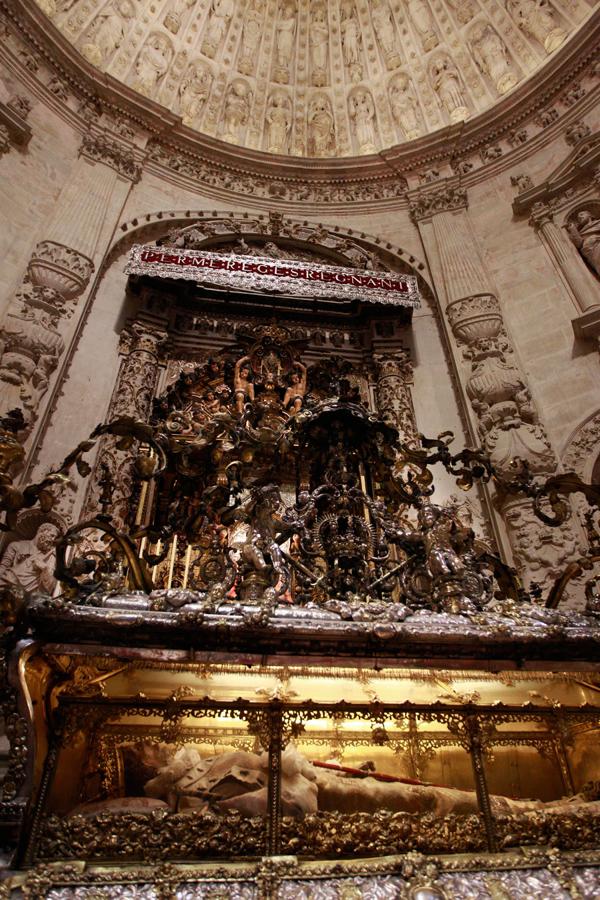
x,y
14,130
60,268
394,373
101,148
200,158
141,346
583,448
449,197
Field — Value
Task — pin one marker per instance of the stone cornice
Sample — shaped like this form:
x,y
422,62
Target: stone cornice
x,y
579,165
368,180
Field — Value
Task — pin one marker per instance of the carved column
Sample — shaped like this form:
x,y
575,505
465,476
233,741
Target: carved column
x,y
141,348
494,383
584,286
394,372
32,336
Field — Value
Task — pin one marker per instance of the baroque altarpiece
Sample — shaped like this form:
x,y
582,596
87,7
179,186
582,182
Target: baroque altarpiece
x,y
265,652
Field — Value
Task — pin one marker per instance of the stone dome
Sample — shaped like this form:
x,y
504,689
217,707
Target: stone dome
x,y
318,78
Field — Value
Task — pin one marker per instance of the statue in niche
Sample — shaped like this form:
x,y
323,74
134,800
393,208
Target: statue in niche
x,y
536,18
217,25
152,63
319,44
284,41
177,8
28,566
321,126
237,110
384,29
251,37
362,113
584,231
108,32
351,40
422,20
447,84
193,91
279,121
492,57
404,106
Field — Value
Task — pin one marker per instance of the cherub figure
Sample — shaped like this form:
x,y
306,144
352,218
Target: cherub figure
x,y
296,390
242,384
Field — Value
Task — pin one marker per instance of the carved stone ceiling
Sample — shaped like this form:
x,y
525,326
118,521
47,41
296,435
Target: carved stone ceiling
x,y
319,77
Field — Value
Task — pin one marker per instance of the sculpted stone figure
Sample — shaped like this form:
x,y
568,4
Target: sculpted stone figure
x,y
193,91
279,121
422,19
217,25
447,84
535,17
284,40
237,110
404,106
30,347
321,127
351,40
250,37
152,63
362,113
491,56
585,234
384,29
319,44
29,565
108,32
175,12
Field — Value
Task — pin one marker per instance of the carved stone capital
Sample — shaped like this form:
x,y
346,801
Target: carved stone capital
x,y
475,318
396,364
426,205
60,268
139,337
100,148
540,215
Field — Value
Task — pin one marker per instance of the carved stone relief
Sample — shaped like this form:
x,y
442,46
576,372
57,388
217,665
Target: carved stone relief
x,y
285,34
405,108
308,44
321,126
362,114
152,63
536,19
217,26
237,110
107,32
251,34
491,55
279,121
319,44
448,86
193,91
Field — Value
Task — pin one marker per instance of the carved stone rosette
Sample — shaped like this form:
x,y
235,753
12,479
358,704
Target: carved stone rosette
x,y
141,347
393,372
